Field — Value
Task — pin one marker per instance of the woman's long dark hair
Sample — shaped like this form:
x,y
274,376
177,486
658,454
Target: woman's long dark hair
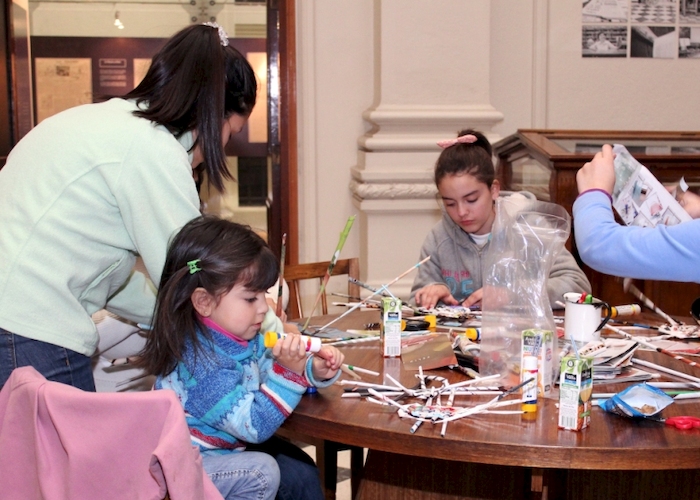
x,y
194,83
227,253
467,158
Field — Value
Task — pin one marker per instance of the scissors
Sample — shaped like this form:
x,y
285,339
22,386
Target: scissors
x,y
683,422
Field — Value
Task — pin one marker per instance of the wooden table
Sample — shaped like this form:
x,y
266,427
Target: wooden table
x,y
503,456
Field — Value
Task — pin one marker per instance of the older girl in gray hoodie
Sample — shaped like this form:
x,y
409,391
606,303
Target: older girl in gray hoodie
x,y
465,179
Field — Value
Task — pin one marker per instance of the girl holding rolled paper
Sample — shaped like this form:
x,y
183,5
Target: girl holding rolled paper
x,y
466,183
660,253
91,188
207,346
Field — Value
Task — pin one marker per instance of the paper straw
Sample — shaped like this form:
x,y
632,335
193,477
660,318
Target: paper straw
x,y
687,395
341,242
660,368
281,287
449,403
627,285
347,370
415,266
361,370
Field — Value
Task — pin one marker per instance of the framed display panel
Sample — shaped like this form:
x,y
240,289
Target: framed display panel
x,y
545,163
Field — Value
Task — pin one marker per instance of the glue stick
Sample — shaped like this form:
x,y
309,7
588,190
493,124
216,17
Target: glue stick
x,y
473,334
626,310
313,344
529,390
432,321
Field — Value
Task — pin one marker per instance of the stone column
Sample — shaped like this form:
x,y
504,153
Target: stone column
x,y
431,80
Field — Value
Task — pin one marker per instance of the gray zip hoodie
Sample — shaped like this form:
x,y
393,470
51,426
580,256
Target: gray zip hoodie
x,y
455,261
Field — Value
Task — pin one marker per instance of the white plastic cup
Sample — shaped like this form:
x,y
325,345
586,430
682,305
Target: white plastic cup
x,y
581,320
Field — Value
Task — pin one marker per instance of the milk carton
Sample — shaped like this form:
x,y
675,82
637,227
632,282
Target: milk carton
x,y
540,343
575,389
391,327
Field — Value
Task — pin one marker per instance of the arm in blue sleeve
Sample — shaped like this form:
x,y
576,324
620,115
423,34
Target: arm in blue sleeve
x,y
670,253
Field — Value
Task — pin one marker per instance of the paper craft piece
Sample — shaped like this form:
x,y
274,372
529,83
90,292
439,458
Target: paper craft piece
x,y
681,331
451,312
639,198
626,374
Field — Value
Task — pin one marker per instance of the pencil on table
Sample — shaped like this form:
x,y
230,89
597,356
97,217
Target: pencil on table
x,y
361,370
281,285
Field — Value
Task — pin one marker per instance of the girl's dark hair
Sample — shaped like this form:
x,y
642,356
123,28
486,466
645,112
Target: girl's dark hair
x,y
194,83
227,254
467,158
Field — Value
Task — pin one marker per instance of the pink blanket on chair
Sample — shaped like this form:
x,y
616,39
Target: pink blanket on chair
x,y
58,442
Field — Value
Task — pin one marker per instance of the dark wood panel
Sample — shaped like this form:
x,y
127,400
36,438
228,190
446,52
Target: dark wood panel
x,y
539,144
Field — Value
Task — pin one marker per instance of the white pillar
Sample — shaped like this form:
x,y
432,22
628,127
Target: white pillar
x,y
431,80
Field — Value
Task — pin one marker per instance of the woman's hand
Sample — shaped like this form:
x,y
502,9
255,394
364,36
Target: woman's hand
x,y
598,173
430,295
327,362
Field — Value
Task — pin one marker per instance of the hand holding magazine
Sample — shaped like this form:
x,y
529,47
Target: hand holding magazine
x,y
639,198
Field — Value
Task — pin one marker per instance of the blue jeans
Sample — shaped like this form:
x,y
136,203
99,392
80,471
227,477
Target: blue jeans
x,y
53,362
248,475
299,478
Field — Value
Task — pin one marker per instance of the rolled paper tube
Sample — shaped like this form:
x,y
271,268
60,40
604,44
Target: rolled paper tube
x,y
625,310
313,344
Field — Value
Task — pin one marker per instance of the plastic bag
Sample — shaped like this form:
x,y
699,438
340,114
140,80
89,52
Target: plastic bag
x,y
526,237
638,401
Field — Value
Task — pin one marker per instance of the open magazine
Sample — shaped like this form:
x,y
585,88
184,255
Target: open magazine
x,y
639,198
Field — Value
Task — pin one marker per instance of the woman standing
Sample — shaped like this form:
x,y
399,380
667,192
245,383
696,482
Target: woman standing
x,y
92,187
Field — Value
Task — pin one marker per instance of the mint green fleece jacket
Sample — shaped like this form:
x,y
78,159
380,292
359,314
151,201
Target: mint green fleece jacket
x,y
81,196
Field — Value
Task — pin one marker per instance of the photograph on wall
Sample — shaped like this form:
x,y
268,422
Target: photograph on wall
x,y
658,42
689,42
654,11
689,12
605,11
601,41
61,84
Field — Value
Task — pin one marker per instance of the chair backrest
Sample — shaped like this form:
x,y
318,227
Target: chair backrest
x,y
294,273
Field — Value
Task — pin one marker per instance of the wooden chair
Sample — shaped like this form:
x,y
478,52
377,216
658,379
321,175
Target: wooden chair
x,y
294,273
326,451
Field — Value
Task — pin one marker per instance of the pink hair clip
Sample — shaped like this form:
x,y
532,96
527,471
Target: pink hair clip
x,y
462,139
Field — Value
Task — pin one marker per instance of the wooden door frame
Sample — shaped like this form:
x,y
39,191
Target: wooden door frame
x,y
283,211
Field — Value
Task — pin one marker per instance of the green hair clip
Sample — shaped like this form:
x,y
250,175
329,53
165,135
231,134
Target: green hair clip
x,y
193,266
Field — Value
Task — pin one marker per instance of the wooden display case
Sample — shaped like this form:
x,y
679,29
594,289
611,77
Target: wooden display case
x,y
545,162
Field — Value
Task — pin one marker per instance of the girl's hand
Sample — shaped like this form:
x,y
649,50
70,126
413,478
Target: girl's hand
x,y
327,362
598,173
430,295
474,299
290,352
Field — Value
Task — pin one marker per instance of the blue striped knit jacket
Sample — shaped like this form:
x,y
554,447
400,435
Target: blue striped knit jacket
x,y
234,392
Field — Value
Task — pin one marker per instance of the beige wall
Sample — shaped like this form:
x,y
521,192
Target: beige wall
x,y
520,59
380,80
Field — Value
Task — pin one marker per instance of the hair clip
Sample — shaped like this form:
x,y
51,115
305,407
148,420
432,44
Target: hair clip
x,y
223,36
462,139
193,266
